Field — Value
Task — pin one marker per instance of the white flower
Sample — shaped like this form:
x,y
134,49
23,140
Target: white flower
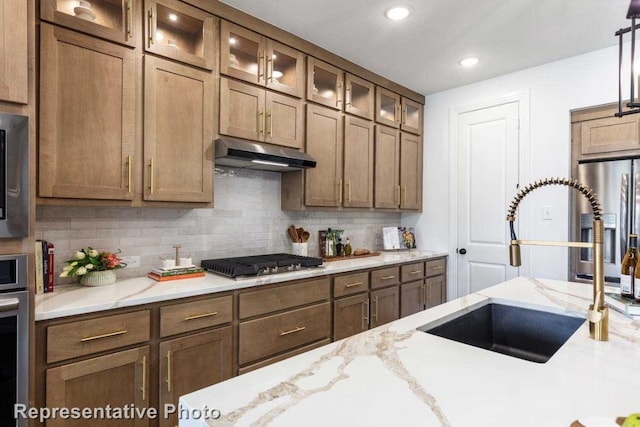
x,y
81,271
65,273
93,253
89,266
80,255
73,264
67,268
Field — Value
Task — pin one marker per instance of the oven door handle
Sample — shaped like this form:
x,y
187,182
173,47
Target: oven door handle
x,y
9,304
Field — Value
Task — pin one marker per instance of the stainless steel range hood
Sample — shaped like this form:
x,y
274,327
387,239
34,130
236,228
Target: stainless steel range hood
x,y
240,153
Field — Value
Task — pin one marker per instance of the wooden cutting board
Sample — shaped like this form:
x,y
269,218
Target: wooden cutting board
x,y
598,422
344,258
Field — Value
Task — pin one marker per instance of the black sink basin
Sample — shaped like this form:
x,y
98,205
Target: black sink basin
x,y
524,333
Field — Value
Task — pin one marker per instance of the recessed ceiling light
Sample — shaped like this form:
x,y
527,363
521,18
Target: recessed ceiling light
x,y
173,17
469,62
397,13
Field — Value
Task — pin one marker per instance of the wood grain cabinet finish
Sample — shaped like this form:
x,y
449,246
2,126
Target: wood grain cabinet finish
x,y
383,277
178,132
388,110
386,168
181,32
248,56
349,284
435,267
411,117
13,55
350,316
359,96
323,184
610,135
385,306
119,379
191,363
410,172
435,289
358,163
325,84
418,295
413,271
92,119
253,113
114,20
411,297
195,315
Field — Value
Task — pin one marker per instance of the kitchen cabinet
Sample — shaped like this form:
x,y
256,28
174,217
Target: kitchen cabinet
x,y
423,286
350,316
398,111
106,19
181,32
87,125
358,163
385,306
410,171
251,57
387,168
325,83
13,56
178,132
257,114
359,96
323,184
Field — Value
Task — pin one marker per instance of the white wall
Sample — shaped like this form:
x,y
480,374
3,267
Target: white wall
x,y
554,89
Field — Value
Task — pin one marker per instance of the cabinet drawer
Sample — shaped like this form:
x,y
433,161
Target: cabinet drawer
x,y
435,267
350,284
190,316
385,277
278,333
84,337
414,271
280,357
283,297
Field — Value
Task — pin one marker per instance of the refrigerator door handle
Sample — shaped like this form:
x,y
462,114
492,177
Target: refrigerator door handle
x,y
624,212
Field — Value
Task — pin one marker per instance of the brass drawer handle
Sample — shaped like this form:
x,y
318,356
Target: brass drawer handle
x,y
129,174
351,285
110,334
439,267
150,27
416,272
375,312
387,277
151,175
168,380
144,378
200,316
293,331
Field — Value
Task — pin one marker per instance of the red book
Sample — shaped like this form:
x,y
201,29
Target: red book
x,y
50,250
176,277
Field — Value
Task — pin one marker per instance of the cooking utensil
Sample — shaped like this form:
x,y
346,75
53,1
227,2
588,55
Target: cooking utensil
x,y
293,233
300,230
305,236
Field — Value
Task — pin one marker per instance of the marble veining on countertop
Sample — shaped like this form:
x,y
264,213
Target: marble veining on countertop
x,y
71,300
396,375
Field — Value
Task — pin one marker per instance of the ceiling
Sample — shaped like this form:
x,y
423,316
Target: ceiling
x,y
422,52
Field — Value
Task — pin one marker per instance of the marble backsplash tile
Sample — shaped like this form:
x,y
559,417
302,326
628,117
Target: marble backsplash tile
x,y
246,220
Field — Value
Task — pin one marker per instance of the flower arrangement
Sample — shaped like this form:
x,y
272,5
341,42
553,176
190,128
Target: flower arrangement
x,y
88,260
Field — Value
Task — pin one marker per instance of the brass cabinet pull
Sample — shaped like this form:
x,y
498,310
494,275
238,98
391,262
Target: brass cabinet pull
x,y
151,175
348,96
260,62
130,18
338,93
351,285
438,267
200,316
375,311
340,190
403,196
396,194
387,277
270,116
150,26
365,315
109,335
423,288
293,331
416,272
349,191
396,107
168,380
269,69
129,173
404,115
261,122
144,378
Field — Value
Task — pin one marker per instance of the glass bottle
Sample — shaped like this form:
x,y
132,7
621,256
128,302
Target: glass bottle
x,y
329,244
629,270
339,248
347,248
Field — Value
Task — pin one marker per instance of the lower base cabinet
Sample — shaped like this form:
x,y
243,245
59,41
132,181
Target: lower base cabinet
x,y
412,298
385,306
119,379
350,316
191,363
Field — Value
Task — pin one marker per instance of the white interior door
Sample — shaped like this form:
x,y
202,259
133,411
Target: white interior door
x,y
488,145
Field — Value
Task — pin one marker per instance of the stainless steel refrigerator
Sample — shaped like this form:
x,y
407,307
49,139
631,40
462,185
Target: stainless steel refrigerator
x,y
616,183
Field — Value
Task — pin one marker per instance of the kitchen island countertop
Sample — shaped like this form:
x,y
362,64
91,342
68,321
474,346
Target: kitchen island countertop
x,y
395,375
69,300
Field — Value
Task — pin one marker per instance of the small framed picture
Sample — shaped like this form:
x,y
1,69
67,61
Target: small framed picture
x,y
398,238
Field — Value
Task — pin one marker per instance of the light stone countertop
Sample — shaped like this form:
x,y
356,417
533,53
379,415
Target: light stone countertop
x,y
394,375
71,300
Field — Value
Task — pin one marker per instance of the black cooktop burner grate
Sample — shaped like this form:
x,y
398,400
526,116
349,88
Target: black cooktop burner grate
x,y
259,265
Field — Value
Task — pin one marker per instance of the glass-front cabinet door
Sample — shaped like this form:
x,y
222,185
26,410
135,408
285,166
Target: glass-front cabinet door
x,y
411,116
387,107
113,20
178,31
285,69
242,53
358,96
324,83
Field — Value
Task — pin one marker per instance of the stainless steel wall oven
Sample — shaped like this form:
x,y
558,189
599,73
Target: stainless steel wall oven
x,y
14,176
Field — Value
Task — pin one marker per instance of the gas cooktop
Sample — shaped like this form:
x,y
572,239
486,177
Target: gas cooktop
x,y
259,265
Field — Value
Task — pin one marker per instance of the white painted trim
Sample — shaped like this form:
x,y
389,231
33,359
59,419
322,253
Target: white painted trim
x,y
523,99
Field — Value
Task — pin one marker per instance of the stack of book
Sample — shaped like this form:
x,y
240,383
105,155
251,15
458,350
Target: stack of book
x,y
175,273
44,266
625,306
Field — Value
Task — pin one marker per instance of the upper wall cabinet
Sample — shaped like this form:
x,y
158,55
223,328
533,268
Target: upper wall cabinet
x,y
411,117
13,55
181,32
325,83
108,19
397,111
358,96
256,59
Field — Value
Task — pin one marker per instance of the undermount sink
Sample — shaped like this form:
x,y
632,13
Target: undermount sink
x,y
525,333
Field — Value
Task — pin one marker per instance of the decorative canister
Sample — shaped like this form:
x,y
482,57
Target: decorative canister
x,y
99,278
